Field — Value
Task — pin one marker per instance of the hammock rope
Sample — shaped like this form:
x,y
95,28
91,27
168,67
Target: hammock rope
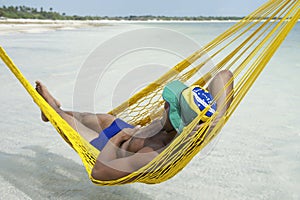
x,y
249,45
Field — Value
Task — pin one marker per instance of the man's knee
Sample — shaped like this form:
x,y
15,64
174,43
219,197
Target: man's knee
x,y
105,120
88,118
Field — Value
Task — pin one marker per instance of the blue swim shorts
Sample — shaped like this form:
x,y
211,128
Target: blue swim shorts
x,y
109,132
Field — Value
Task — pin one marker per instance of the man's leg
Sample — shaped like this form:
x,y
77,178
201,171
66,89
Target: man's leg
x,y
84,131
96,122
217,88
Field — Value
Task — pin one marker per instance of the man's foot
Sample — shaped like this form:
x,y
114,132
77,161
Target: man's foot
x,y
43,91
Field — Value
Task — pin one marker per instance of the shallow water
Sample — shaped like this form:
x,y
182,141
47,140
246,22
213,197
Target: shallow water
x,y
256,156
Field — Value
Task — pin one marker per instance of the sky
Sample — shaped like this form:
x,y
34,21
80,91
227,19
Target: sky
x,y
143,7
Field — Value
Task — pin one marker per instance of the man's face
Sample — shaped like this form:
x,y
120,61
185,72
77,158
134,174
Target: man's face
x,y
167,123
166,107
166,112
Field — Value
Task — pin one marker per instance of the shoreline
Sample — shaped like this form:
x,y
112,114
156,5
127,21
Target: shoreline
x,y
8,26
50,21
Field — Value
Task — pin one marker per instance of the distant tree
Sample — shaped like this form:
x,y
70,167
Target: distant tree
x,y
27,9
11,8
33,13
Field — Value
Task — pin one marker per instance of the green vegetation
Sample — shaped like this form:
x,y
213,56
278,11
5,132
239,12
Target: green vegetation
x,y
23,12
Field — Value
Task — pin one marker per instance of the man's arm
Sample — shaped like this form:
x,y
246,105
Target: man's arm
x,y
109,152
109,167
217,88
117,168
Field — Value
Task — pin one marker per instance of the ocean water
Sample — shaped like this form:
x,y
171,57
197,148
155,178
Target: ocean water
x,y
256,156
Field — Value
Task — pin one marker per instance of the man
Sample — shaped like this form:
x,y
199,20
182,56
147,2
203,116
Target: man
x,y
124,148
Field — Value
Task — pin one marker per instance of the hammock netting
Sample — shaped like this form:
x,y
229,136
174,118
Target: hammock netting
x,y
248,47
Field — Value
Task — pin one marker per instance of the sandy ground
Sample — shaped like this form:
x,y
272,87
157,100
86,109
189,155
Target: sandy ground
x,y
31,26
256,156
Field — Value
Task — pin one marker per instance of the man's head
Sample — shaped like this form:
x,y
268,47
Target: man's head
x,y
185,103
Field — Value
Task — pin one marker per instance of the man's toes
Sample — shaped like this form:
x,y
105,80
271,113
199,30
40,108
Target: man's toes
x,y
44,118
57,103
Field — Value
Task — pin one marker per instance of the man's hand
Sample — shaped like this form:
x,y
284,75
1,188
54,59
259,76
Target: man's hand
x,y
124,135
196,128
109,166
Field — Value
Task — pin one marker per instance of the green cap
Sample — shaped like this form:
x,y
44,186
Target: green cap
x,y
186,103
171,94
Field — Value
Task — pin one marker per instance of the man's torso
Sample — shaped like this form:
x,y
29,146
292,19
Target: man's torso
x,y
156,138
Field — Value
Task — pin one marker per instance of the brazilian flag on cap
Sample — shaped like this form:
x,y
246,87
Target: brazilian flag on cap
x,y
186,103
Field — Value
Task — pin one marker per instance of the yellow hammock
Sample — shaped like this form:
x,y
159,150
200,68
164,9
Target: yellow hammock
x,y
249,45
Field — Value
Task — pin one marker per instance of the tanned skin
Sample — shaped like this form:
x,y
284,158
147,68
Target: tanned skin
x,y
131,148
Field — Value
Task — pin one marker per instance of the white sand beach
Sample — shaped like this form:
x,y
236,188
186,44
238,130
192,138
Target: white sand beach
x,y
8,26
256,156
